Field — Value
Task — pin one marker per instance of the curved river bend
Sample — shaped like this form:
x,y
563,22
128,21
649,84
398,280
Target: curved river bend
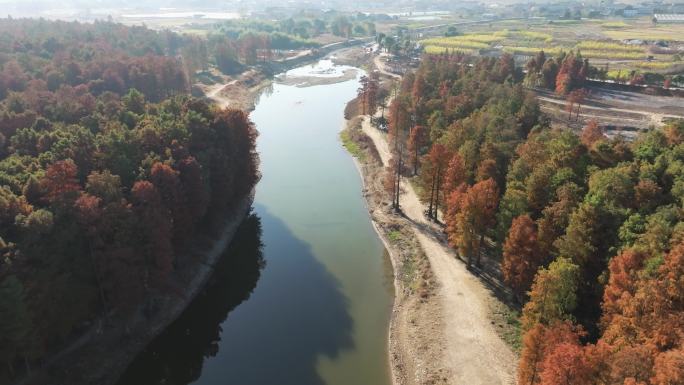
x,y
303,295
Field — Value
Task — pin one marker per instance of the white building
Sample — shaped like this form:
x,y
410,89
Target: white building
x,y
669,17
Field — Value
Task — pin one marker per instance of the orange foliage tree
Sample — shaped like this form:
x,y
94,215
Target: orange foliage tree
x,y
538,343
470,214
456,174
61,180
521,255
592,133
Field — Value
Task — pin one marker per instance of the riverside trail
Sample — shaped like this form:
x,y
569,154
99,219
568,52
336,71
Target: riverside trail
x,y
473,352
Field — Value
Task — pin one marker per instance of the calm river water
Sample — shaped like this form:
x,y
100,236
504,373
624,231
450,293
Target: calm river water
x,y
303,295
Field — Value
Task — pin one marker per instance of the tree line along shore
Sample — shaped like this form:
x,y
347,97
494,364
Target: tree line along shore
x,y
579,231
109,173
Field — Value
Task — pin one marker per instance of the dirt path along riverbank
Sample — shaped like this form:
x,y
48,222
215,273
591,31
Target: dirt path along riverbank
x,y
469,349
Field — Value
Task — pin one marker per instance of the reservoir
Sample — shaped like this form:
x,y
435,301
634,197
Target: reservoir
x,y
303,294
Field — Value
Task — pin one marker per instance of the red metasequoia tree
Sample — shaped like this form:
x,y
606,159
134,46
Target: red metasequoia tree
x,y
470,213
456,174
538,343
157,224
592,133
521,255
61,180
437,165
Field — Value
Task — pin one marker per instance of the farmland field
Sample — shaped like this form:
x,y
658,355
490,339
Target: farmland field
x,y
618,45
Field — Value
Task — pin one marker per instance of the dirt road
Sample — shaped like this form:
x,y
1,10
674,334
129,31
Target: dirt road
x,y
238,91
473,352
617,108
633,116
382,67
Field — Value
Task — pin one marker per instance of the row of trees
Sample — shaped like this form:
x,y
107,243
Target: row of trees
x,y
102,188
236,43
398,44
569,71
111,57
304,26
588,230
563,74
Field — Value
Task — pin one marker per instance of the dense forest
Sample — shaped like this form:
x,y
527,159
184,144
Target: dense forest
x,y
587,230
296,31
107,169
235,43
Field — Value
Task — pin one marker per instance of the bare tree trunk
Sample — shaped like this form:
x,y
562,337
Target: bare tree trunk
x,y
415,161
436,214
479,250
432,194
394,190
534,375
401,165
98,282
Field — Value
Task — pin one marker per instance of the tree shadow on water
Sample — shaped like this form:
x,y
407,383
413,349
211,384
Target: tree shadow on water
x,y
294,315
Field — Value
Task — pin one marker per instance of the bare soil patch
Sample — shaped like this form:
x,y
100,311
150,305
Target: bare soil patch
x,y
623,112
240,91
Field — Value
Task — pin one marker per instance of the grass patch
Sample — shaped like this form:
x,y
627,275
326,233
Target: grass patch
x,y
615,25
408,273
607,46
525,35
657,65
416,186
414,268
351,145
394,236
533,50
415,25
566,36
565,22
618,74
437,50
613,55
481,37
417,271
513,333
455,42
669,33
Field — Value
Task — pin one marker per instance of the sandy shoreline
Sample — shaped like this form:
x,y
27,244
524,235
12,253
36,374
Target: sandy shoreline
x,y
308,81
394,261
415,319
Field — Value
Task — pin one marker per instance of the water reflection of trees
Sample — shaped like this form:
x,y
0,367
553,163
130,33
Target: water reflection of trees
x,y
177,355
296,316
